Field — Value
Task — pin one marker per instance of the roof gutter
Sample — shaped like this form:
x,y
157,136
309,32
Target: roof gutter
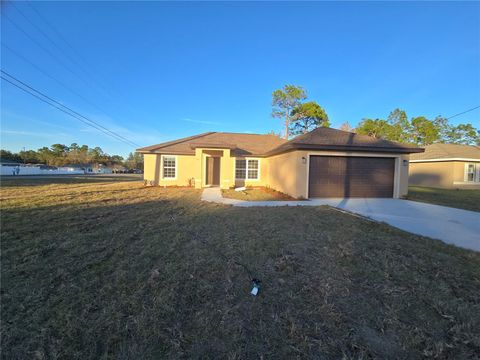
x,y
299,146
444,159
165,152
213,146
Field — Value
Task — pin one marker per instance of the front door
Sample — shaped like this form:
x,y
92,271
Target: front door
x,y
213,171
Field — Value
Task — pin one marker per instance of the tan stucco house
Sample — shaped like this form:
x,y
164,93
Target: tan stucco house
x,y
446,166
322,163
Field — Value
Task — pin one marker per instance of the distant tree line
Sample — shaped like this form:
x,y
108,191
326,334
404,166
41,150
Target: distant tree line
x,y
61,155
301,117
417,130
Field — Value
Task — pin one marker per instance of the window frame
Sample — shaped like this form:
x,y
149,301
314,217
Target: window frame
x,y
170,167
475,173
246,169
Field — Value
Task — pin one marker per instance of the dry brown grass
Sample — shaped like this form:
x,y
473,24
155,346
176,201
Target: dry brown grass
x,y
256,194
115,270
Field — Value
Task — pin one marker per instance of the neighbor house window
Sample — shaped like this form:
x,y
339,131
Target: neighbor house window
x,y
169,167
470,172
246,169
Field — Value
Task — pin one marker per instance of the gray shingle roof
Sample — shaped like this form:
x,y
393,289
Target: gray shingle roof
x,y
448,151
266,145
241,144
332,139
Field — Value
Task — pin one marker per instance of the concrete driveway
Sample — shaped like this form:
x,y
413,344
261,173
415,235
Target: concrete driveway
x,y
453,226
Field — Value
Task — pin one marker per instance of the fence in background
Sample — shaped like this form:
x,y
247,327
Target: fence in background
x,y
33,170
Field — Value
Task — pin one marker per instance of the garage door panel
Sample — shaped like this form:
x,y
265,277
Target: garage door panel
x,y
341,176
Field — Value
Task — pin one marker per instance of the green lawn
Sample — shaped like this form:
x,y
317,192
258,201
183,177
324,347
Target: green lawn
x,y
462,199
114,270
256,194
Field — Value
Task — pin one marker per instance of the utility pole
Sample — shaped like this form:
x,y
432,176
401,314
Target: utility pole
x,y
24,160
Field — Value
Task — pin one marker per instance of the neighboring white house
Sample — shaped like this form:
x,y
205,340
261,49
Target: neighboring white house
x,y
8,169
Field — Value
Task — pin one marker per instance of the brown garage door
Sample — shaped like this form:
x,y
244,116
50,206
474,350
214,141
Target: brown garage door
x,y
343,176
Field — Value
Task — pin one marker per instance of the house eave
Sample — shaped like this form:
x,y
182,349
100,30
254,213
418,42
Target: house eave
x,y
297,146
213,146
445,160
160,151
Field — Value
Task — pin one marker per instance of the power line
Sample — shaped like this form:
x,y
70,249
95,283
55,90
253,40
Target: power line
x,y
55,44
73,114
69,109
61,37
116,137
42,32
54,103
53,78
57,107
44,49
56,59
87,67
93,80
58,33
464,112
52,55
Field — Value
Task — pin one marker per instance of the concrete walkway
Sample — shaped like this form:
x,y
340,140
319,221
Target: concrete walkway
x,y
453,226
214,194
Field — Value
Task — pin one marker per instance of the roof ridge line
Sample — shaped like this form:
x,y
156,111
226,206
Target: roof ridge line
x,y
241,133
174,142
178,141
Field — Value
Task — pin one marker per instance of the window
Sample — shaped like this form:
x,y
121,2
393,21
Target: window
x,y
246,169
240,169
169,167
253,169
470,172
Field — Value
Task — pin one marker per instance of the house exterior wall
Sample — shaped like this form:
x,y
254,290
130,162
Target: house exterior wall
x,y
441,174
458,173
153,170
194,167
287,172
227,165
433,174
404,169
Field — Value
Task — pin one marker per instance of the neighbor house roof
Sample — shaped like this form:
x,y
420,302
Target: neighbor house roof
x,y
240,144
267,145
332,139
443,152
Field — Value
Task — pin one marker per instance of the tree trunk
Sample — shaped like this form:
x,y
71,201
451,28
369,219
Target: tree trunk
x,y
287,122
305,126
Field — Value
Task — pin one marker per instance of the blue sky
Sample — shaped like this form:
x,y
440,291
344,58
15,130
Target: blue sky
x,y
156,71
